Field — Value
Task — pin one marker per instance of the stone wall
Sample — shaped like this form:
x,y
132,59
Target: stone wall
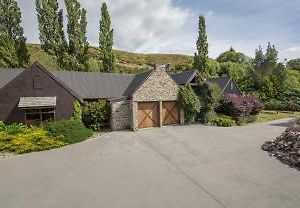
x,y
158,87
120,115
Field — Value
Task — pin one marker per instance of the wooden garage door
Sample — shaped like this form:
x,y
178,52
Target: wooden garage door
x,y
170,113
148,114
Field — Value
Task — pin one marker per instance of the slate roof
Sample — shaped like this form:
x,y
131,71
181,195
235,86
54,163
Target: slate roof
x,y
184,77
7,75
95,85
222,82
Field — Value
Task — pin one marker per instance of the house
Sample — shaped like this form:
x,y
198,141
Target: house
x,y
227,85
149,99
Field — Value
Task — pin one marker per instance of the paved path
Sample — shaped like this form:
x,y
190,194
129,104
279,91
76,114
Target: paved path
x,y
171,167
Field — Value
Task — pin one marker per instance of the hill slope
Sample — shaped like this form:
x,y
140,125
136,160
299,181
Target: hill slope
x,y
127,62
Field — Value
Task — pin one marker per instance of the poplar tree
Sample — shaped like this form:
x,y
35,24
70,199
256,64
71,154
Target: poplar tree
x,y
77,52
106,41
71,54
13,51
201,57
50,20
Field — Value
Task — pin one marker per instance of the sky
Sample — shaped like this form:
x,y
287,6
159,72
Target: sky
x,y
171,26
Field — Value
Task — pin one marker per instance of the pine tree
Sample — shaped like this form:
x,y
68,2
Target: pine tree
x,y
77,56
106,41
50,19
201,58
13,51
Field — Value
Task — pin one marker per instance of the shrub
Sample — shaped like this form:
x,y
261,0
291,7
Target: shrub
x,y
292,106
96,115
275,105
240,108
28,140
77,115
221,120
13,128
189,101
69,131
206,94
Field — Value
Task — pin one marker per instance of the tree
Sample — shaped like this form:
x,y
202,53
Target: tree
x,y
13,43
70,54
294,64
50,20
77,46
232,56
259,58
201,58
106,41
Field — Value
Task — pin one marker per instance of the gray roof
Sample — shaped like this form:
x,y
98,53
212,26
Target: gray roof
x,y
184,77
95,85
137,82
7,75
222,82
29,102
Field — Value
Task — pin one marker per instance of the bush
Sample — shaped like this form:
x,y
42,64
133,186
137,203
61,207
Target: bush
x,y
96,115
240,108
69,131
275,105
190,102
221,120
13,128
77,115
27,139
206,94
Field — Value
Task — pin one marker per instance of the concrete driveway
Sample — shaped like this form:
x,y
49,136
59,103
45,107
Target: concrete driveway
x,y
186,167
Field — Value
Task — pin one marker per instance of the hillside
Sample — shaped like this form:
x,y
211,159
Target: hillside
x,y
127,62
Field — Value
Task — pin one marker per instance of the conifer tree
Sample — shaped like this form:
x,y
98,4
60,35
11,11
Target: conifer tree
x,y
106,41
13,51
50,19
259,57
201,57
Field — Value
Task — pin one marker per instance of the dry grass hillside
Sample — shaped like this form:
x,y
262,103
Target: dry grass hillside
x,y
127,62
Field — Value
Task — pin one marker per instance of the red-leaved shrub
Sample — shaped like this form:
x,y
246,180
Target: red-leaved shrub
x,y
240,107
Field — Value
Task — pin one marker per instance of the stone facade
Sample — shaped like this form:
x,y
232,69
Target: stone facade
x,y
158,87
120,115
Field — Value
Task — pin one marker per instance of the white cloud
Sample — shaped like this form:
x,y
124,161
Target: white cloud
x,y
140,25
291,53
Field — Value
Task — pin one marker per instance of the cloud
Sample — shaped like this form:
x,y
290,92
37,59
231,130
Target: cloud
x,y
142,25
291,53
170,26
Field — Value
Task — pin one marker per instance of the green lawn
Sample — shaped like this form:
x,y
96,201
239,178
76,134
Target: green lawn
x,y
273,115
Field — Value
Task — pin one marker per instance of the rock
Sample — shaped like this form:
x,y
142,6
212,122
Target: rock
x,y
286,148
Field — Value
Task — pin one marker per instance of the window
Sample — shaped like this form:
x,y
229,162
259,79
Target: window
x,y
39,115
231,86
37,82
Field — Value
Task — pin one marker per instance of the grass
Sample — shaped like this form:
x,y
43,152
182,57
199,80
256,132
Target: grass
x,y
127,62
273,115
